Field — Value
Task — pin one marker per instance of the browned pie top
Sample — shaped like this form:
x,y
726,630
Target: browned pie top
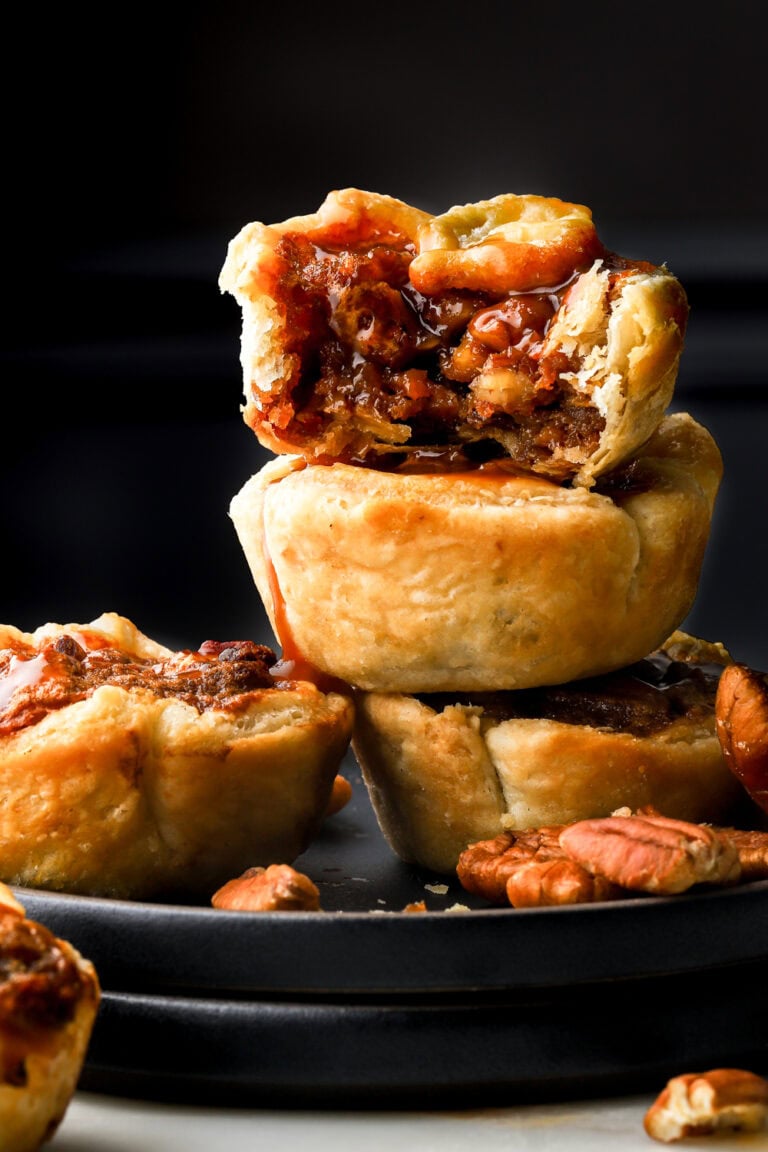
x,y
641,699
35,681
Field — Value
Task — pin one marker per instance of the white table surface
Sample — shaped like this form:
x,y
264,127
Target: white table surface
x,y
95,1123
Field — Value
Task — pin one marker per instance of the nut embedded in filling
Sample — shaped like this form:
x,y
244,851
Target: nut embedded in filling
x,y
381,360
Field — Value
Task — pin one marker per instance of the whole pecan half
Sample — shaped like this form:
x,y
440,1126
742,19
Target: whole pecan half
x,y
528,869
652,854
741,722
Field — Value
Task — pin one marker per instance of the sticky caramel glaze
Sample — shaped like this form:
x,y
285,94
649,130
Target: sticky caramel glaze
x,y
366,341
39,991
481,467
641,699
221,674
470,464
292,665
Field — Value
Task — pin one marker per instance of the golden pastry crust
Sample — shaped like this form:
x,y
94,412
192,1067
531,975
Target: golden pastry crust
x,y
443,774
525,242
130,770
504,327
49,997
479,580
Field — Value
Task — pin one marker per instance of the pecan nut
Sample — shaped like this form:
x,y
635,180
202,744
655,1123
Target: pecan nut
x,y
484,867
528,869
750,844
548,883
741,722
415,907
653,854
341,794
698,1104
278,888
752,848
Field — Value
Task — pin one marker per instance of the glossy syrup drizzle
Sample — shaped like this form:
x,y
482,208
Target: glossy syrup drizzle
x,y
23,672
292,665
28,667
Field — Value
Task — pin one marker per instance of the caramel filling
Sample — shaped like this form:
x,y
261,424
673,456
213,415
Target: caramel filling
x,y
642,699
395,371
221,675
293,665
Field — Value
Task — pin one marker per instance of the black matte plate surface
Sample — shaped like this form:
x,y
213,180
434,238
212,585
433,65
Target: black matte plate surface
x,y
365,1005
364,943
454,1052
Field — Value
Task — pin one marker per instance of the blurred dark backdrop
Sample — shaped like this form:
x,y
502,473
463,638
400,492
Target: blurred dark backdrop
x,y
137,143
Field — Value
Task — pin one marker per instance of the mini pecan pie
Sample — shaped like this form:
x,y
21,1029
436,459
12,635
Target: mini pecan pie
x,y
375,332
131,770
478,480
479,580
448,770
49,997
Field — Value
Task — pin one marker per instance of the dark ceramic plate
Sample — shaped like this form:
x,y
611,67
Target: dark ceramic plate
x,y
346,950
475,1049
366,1005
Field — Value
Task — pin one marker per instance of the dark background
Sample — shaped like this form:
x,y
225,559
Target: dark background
x,y
137,144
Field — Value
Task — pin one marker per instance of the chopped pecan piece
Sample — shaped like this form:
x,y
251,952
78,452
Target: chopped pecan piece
x,y
752,847
698,1104
527,869
341,794
278,888
652,854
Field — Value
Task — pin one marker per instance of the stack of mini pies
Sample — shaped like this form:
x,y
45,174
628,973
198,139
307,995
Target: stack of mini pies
x,y
481,516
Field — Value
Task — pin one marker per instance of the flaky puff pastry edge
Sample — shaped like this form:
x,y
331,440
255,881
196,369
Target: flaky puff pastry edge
x,y
626,343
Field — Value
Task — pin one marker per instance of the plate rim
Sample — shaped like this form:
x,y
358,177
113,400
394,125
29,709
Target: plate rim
x,y
177,947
